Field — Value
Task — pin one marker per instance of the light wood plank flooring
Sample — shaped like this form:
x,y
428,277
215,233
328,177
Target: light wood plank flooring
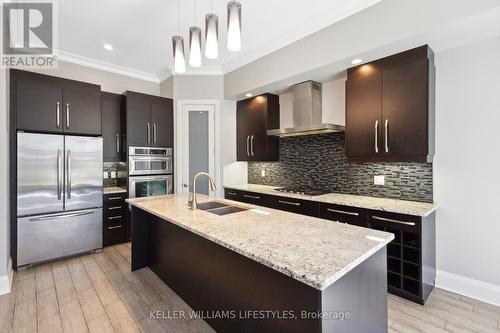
x,y
98,293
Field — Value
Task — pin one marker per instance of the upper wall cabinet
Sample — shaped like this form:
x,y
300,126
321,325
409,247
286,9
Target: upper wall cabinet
x,y
113,127
150,120
48,104
390,108
254,116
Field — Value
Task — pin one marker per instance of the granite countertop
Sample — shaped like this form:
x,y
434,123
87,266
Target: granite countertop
x,y
114,189
314,251
389,205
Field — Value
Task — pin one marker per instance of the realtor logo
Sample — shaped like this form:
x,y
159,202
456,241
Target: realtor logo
x,y
28,34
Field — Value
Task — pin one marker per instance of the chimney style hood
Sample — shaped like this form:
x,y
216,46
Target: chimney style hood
x,y
307,115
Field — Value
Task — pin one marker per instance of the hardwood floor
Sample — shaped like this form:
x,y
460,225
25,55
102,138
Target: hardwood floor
x,y
98,293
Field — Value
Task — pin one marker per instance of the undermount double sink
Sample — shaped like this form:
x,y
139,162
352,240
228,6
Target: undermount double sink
x,y
219,208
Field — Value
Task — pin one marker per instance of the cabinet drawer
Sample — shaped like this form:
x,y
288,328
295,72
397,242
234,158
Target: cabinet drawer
x,y
115,198
394,221
232,194
114,234
248,197
344,214
293,205
113,212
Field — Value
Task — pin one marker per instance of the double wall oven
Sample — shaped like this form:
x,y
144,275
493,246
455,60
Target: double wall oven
x,y
150,171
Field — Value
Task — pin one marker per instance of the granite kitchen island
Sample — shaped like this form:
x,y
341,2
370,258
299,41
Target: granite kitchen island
x,y
264,270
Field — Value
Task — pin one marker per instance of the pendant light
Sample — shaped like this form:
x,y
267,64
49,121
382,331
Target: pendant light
x,y
195,43
211,35
178,45
234,26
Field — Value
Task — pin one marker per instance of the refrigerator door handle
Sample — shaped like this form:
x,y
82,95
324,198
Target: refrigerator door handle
x,y
68,172
61,215
59,175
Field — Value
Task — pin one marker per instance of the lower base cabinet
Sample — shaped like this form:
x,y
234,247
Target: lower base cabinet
x,y
411,256
114,224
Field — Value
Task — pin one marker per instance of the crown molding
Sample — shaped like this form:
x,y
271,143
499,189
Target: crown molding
x,y
106,66
203,70
302,30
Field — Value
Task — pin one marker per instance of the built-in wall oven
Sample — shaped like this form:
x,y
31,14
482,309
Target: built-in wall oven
x,y
150,171
149,161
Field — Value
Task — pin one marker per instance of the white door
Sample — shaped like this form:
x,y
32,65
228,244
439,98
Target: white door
x,y
197,145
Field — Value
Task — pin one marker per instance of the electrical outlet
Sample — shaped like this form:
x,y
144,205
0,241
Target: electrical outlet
x,y
379,180
105,175
113,174
263,172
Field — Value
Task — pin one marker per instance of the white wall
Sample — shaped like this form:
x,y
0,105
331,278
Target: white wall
x,y
466,169
4,185
108,81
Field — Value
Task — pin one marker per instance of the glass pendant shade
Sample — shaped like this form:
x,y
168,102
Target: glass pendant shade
x,y
234,26
195,46
179,60
211,36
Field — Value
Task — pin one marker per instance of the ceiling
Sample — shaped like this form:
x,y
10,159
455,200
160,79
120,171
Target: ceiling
x,y
140,31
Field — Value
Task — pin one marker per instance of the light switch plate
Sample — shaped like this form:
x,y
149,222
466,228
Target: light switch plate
x,y
263,172
105,174
379,180
113,174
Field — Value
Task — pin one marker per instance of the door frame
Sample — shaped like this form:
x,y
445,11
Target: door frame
x,y
182,140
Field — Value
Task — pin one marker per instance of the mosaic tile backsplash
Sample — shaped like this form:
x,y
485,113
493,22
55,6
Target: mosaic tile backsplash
x,y
319,161
121,172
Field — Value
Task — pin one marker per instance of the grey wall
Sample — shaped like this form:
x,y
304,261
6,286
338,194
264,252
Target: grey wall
x,y
4,177
319,162
198,87
167,88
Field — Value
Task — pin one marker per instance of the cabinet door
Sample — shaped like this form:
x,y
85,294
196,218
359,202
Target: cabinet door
x,y
257,127
363,116
111,127
162,119
242,132
82,111
138,121
405,105
39,106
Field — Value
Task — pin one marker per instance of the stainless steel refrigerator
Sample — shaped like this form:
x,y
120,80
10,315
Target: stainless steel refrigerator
x,y
59,196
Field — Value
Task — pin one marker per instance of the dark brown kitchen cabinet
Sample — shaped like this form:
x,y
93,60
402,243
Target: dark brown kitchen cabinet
x,y
254,116
344,214
115,225
149,120
113,137
390,108
45,103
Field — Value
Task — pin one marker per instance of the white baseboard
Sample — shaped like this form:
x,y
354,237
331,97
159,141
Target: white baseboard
x,y
6,280
483,291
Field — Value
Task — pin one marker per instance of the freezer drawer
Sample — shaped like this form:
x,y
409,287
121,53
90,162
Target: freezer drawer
x,y
52,236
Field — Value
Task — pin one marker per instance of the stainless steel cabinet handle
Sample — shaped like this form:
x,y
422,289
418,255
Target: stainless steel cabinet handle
x,y
148,134
114,198
392,220
61,215
59,175
113,208
386,127
251,196
68,172
342,212
248,145
231,193
67,115
251,145
114,217
376,136
289,203
115,227
155,136
117,142
58,114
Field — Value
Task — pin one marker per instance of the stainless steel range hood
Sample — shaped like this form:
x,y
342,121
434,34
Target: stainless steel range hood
x,y
307,114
